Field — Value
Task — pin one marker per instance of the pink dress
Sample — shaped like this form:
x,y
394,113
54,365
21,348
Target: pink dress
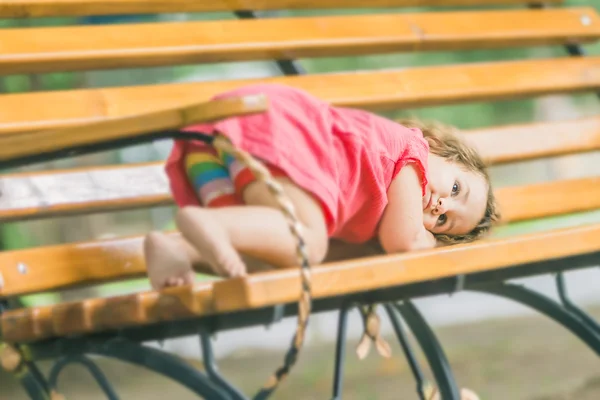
x,y
346,158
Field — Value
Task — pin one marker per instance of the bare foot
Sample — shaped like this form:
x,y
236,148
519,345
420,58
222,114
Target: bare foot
x,y
167,265
203,230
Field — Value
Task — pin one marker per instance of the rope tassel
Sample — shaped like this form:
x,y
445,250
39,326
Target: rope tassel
x,y
372,333
286,206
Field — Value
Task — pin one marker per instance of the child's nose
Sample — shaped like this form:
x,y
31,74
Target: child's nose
x,y
441,207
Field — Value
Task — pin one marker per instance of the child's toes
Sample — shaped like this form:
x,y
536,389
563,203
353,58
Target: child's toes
x,y
172,281
188,278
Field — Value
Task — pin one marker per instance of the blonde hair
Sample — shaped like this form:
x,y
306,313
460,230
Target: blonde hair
x,y
444,142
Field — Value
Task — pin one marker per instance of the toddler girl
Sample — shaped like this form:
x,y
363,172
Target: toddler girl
x,y
351,175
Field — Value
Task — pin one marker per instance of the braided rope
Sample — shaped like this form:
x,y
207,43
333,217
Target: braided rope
x,y
286,206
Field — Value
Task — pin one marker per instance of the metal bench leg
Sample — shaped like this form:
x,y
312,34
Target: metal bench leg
x,y
33,382
408,351
162,363
212,370
91,367
548,307
572,307
432,349
340,353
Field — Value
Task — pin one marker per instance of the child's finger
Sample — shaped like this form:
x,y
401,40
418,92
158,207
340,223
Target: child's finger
x,y
238,273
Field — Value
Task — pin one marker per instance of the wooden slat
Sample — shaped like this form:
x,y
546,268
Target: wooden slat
x,y
134,45
505,144
56,267
376,90
94,189
29,324
547,199
128,310
283,286
113,188
25,144
47,8
264,289
147,187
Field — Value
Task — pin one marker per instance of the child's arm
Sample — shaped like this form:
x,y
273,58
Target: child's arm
x,y
401,227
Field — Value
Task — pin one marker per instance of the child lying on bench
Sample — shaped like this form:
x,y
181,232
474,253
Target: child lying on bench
x,y
350,174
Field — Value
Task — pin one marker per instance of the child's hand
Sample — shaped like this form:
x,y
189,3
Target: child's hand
x,y
428,240
401,228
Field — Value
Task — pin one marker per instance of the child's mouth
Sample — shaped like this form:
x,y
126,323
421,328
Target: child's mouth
x,y
428,202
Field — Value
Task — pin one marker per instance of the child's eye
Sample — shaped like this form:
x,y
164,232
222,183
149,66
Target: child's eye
x,y
455,188
441,220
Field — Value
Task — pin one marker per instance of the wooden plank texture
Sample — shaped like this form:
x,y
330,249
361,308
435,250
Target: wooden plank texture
x,y
134,45
505,144
546,199
46,8
112,188
29,324
283,286
85,190
15,146
375,90
56,267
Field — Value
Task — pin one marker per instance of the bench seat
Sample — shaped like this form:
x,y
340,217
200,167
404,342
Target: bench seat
x,y
39,122
280,287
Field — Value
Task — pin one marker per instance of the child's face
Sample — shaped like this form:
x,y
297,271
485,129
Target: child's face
x,y
455,199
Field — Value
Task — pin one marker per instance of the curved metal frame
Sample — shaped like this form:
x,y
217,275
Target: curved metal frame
x,y
432,348
407,349
34,383
548,307
561,287
91,366
211,368
160,362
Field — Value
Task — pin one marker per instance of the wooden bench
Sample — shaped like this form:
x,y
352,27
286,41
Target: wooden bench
x,y
34,124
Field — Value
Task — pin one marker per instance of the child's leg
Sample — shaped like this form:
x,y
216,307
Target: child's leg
x,y
258,229
171,260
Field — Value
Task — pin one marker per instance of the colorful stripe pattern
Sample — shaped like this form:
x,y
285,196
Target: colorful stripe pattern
x,y
218,178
